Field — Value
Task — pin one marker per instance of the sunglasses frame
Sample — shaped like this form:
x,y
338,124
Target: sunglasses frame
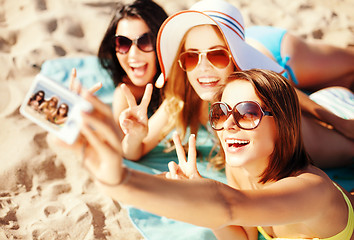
x,y
134,41
204,52
230,111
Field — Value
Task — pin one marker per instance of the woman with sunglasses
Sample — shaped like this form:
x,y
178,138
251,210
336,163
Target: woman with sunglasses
x,y
36,100
271,182
49,107
60,115
199,48
127,51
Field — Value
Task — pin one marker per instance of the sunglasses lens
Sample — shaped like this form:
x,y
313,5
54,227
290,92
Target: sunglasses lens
x,y
145,43
123,44
188,60
247,114
219,58
218,115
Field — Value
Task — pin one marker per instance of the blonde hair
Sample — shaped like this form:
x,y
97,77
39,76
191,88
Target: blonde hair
x,y
184,104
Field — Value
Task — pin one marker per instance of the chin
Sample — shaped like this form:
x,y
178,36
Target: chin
x,y
140,82
234,162
209,97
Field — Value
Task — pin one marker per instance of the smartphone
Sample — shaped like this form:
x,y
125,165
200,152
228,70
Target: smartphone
x,y
54,108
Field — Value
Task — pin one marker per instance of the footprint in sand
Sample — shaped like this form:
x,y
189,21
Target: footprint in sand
x,y
67,219
41,5
8,210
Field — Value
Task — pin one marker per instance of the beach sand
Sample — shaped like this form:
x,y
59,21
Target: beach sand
x,y
44,192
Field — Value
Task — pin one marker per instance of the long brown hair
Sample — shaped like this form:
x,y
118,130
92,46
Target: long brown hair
x,y
278,96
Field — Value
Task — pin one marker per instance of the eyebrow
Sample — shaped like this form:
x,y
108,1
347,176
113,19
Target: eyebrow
x,y
213,47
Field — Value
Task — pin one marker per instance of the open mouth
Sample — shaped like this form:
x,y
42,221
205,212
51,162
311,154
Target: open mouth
x,y
208,81
235,143
138,69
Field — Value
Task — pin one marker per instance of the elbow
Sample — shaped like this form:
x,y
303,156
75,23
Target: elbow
x,y
228,204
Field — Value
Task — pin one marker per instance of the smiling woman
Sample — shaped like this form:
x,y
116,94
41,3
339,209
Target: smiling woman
x,y
127,51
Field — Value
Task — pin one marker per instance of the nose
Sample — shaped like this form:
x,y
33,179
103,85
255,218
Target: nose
x,y
230,123
204,62
134,50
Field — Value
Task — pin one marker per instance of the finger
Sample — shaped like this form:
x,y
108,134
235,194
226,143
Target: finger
x,y
192,152
92,140
179,148
128,95
72,78
95,87
192,158
160,81
75,84
78,87
145,101
126,124
173,169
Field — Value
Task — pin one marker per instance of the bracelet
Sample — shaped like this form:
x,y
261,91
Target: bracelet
x,y
124,181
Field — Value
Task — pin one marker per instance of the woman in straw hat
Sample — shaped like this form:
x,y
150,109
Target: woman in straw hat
x,y
197,50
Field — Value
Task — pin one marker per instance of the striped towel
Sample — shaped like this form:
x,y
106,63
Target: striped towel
x,y
338,100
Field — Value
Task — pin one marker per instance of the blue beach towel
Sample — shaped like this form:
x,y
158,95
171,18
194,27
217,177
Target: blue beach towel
x,y
89,72
154,227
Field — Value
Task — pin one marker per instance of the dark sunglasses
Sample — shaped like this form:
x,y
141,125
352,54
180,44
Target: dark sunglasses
x,y
219,58
247,115
143,42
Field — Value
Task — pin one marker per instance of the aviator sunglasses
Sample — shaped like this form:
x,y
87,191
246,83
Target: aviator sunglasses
x,y
247,115
219,58
143,42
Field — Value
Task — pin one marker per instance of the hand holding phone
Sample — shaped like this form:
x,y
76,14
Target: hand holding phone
x,y
54,108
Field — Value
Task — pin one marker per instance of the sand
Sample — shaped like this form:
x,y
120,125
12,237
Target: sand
x,y
44,192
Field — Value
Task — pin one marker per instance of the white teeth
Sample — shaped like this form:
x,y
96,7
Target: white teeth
x,y
207,80
233,141
136,65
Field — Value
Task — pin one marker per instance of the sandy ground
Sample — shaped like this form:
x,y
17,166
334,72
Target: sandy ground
x,y
44,193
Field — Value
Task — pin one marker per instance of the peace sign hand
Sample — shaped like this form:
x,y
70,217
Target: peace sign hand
x,y
134,120
186,169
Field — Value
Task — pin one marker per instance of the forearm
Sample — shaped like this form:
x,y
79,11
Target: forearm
x,y
197,202
132,148
317,111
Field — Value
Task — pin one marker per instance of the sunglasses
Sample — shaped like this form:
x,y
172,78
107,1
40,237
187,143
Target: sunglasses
x,y
247,115
219,58
143,42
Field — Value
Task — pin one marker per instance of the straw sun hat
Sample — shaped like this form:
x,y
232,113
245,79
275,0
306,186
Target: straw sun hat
x,y
230,23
